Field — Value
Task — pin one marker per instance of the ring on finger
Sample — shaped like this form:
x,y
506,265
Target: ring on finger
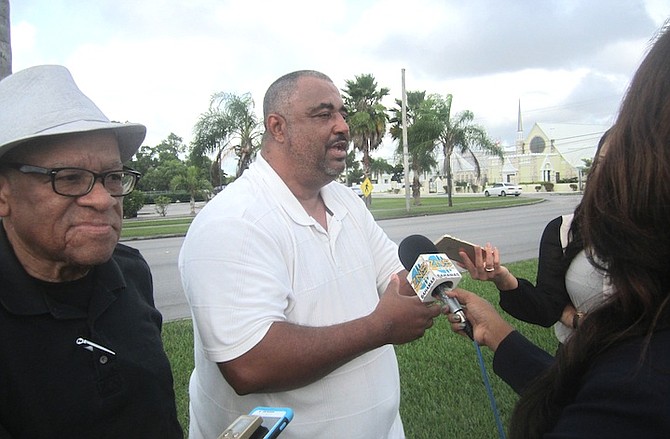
x,y
489,269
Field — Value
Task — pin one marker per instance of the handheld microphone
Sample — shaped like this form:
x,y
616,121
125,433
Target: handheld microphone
x,y
431,274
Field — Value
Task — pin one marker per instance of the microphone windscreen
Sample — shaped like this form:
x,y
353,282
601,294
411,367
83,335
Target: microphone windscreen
x,y
411,247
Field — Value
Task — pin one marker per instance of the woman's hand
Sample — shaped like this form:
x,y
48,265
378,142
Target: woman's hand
x,y
489,328
486,267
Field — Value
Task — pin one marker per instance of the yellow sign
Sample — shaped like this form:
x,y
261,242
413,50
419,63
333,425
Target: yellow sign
x,y
366,187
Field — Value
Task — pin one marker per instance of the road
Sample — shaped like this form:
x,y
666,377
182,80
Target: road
x,y
515,231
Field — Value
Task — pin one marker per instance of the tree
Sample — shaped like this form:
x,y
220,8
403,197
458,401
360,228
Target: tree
x,y
354,172
192,182
397,172
379,167
132,203
159,179
228,126
366,116
159,164
161,204
143,160
460,134
423,129
588,163
246,130
170,148
5,41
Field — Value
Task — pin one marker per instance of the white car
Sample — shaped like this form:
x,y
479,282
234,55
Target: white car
x,y
358,191
502,190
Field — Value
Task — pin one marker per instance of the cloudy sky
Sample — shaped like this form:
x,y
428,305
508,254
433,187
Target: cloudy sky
x,y
158,62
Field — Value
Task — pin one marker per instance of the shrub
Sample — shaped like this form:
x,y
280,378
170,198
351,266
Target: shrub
x,y
537,188
132,203
161,204
175,197
548,186
573,187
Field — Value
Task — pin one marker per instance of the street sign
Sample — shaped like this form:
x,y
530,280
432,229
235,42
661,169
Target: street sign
x,y
366,187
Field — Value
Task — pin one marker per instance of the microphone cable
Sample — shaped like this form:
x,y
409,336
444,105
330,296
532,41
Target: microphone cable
x,y
489,391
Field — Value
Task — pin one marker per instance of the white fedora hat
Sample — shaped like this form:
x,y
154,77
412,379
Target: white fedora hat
x,y
44,101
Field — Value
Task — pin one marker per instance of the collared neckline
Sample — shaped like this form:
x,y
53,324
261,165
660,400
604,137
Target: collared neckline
x,y
288,200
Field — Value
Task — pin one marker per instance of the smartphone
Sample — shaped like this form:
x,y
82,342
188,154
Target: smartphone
x,y
275,419
242,427
450,246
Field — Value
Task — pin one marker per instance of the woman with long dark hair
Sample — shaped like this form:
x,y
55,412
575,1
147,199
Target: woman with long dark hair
x,y
612,377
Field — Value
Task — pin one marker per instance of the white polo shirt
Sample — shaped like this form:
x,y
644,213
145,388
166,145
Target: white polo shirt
x,y
252,257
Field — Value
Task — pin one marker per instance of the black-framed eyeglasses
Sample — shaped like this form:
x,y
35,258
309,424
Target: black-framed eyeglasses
x,y
77,182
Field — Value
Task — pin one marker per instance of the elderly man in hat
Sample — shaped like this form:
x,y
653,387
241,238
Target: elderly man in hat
x,y
80,351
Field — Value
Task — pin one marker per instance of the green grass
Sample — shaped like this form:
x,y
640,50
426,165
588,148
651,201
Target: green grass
x,y
386,208
442,393
155,227
381,208
178,343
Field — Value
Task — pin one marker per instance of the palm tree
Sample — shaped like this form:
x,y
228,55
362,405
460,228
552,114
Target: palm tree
x,y
423,129
379,167
5,41
211,133
228,126
460,134
192,182
246,128
366,116
354,174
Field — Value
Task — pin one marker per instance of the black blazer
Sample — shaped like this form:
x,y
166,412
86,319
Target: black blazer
x,y
623,395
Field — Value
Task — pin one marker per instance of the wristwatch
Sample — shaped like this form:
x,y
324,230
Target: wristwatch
x,y
576,318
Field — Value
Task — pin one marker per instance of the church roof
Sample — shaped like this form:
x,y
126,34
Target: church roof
x,y
573,141
460,164
508,168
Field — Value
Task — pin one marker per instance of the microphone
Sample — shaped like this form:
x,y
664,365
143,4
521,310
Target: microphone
x,y
432,274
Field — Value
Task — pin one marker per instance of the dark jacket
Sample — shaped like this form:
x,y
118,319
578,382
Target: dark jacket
x,y
51,386
622,395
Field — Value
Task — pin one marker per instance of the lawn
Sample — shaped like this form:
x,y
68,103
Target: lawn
x,y
442,392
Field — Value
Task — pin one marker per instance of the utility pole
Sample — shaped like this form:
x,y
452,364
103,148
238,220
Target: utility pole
x,y
5,41
405,149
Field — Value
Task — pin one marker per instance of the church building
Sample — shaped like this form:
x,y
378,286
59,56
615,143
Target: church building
x,y
550,153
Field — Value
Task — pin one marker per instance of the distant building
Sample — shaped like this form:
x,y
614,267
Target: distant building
x,y
550,153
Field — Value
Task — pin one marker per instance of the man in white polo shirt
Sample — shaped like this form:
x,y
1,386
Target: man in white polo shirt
x,y
293,286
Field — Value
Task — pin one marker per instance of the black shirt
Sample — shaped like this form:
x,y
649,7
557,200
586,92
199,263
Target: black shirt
x,y
115,382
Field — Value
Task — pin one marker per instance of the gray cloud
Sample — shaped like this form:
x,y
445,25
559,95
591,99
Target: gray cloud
x,y
496,37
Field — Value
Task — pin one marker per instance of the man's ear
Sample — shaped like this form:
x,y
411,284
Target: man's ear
x,y
276,126
5,192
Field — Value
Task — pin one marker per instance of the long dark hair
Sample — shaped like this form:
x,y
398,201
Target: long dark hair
x,y
624,218
575,241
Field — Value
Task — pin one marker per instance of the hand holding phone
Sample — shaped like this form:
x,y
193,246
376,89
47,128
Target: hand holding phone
x,y
275,419
242,427
450,246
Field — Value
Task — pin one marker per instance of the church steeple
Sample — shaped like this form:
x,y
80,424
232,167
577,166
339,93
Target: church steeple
x,y
519,133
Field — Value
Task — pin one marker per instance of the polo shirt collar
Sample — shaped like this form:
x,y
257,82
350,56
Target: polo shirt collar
x,y
280,192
